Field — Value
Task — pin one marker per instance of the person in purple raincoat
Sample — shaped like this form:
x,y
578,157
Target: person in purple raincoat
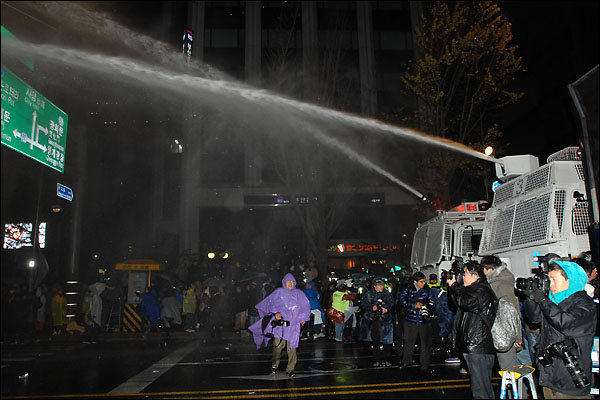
x,y
286,310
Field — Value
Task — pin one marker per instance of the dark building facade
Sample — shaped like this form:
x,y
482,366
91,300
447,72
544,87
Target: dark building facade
x,y
294,48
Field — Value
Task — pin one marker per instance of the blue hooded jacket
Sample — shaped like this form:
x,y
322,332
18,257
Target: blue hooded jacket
x,y
151,307
313,298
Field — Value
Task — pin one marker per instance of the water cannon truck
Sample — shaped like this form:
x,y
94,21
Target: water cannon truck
x,y
536,212
449,235
536,209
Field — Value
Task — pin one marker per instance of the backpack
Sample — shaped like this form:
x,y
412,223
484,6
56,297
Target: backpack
x,y
506,327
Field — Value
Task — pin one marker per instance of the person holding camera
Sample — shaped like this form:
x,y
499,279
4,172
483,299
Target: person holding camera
x,y
568,321
476,307
415,301
377,323
284,312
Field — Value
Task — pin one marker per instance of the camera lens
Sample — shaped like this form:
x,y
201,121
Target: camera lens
x,y
572,365
522,284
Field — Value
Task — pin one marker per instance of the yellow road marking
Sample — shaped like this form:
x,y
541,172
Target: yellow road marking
x,y
256,392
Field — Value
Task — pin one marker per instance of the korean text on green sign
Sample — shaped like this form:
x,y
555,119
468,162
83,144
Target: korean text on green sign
x,y
31,124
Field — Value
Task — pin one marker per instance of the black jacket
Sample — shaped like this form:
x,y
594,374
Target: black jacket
x,y
476,302
574,317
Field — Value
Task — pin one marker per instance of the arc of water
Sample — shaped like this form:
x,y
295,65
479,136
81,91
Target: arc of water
x,y
139,71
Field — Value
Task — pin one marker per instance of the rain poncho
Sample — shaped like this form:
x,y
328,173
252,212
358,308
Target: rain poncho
x,y
59,310
293,307
171,310
151,307
94,313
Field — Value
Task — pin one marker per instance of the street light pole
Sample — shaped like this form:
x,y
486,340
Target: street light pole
x,y
488,152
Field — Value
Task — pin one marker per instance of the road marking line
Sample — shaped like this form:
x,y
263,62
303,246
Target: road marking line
x,y
253,393
150,374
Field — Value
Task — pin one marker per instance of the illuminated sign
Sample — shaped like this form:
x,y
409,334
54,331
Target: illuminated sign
x,y
19,235
358,199
361,248
469,207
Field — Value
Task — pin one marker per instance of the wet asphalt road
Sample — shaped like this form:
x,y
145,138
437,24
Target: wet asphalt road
x,y
193,365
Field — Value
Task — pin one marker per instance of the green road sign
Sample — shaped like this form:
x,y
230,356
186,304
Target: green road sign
x,y
32,125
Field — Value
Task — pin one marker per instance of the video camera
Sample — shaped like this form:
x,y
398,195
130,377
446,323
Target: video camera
x,y
564,350
456,271
540,279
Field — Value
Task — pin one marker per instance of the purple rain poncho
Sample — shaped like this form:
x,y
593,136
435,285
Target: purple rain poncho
x,y
293,307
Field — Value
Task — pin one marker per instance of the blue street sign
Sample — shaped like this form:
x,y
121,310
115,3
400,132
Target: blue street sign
x,y
64,192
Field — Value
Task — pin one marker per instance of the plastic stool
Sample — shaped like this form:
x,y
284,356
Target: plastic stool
x,y
512,377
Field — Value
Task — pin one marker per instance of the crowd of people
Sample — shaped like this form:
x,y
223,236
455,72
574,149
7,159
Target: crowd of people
x,y
395,316
556,314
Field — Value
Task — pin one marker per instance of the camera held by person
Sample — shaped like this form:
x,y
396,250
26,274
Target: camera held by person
x,y
540,280
456,271
379,305
568,319
279,322
427,309
565,350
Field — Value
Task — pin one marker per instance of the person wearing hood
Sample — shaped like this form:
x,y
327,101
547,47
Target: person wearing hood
x,y
150,308
170,312
93,315
284,311
568,322
317,315
377,324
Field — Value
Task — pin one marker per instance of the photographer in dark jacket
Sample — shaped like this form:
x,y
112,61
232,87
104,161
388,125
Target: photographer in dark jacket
x,y
568,320
415,301
476,309
326,301
377,324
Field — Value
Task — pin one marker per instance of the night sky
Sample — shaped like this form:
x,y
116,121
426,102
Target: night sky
x,y
559,43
